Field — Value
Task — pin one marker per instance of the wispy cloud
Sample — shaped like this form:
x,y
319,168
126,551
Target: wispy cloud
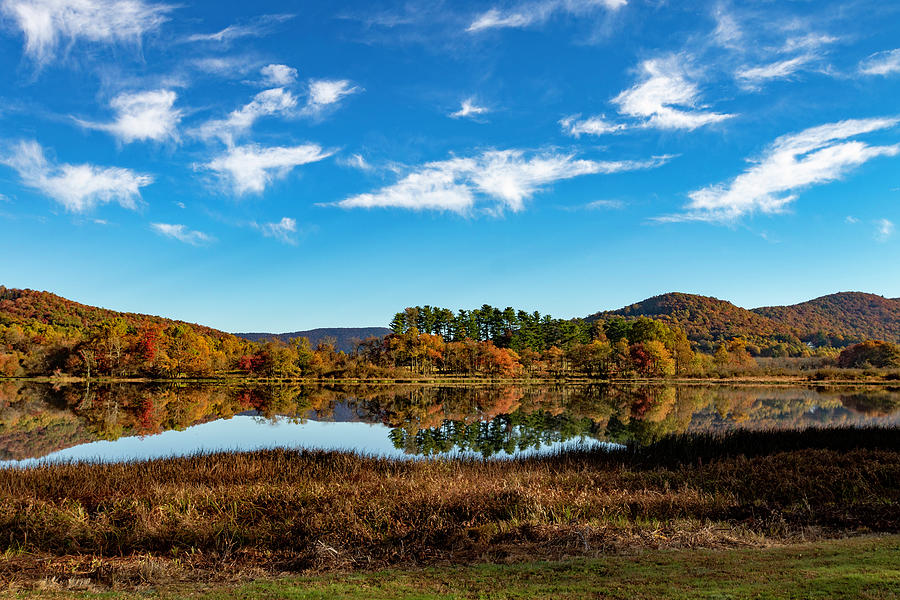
x,y
278,75
728,32
884,230
282,230
356,161
142,116
181,233
752,77
468,108
46,24
255,28
78,188
575,126
505,178
605,205
250,168
326,93
268,102
226,66
665,98
881,63
536,13
793,162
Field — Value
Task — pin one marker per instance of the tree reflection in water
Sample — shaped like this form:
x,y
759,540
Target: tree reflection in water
x,y
36,419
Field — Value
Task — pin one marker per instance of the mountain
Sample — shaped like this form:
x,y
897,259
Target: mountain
x,y
854,316
702,317
837,319
345,338
28,307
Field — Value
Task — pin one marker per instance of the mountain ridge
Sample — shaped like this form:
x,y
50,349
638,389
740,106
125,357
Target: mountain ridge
x,y
834,319
345,338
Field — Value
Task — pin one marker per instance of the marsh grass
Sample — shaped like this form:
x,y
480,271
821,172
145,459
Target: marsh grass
x,y
220,516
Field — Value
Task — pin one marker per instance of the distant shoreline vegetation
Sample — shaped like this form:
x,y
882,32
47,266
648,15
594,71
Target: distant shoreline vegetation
x,y
44,335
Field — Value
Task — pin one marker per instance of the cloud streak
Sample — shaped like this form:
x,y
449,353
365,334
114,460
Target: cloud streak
x,y
249,169
884,230
266,103
326,93
793,162
881,63
78,188
181,233
256,28
665,98
282,230
536,13
597,125
468,108
503,178
142,116
753,76
46,24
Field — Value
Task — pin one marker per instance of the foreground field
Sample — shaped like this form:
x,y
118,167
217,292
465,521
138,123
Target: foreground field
x,y
864,567
234,517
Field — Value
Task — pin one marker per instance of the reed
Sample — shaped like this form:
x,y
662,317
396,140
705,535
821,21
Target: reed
x,y
279,510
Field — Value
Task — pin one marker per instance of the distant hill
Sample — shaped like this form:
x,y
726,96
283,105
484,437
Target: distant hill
x,y
838,319
26,307
702,317
854,316
345,338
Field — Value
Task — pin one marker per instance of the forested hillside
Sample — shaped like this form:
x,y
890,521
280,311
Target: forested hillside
x,y
66,316
837,320
840,319
683,334
708,321
345,339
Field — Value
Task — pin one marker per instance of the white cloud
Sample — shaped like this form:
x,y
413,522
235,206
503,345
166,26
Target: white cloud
x,y
48,23
793,162
535,13
881,63
884,229
663,88
268,102
851,220
507,178
327,92
356,161
605,205
808,42
256,28
77,187
283,230
250,168
598,125
181,233
278,75
143,116
751,77
728,31
225,66
468,108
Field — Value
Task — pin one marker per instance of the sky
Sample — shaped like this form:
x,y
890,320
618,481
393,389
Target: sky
x,y
279,166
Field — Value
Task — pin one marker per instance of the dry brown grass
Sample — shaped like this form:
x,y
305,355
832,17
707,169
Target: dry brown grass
x,y
226,515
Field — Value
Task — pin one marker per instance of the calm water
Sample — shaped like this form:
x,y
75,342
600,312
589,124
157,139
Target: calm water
x,y
41,422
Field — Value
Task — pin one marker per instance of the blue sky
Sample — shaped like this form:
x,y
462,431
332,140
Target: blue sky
x,y
280,166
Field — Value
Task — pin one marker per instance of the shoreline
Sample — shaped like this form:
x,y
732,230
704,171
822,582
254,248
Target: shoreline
x,y
445,380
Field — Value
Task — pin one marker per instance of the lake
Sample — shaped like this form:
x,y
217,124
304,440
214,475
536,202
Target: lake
x,y
121,422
